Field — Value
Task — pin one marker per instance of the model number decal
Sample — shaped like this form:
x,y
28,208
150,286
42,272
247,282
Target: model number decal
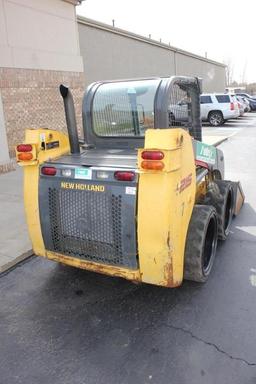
x,y
53,144
83,187
184,183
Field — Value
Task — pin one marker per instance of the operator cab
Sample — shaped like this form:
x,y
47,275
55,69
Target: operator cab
x,y
117,114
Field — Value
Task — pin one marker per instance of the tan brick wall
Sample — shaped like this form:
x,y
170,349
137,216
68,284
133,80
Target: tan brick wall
x,y
31,99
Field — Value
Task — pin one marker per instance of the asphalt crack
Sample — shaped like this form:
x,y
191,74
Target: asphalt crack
x,y
220,350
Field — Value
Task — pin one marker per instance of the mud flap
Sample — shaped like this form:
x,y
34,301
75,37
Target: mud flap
x,y
238,197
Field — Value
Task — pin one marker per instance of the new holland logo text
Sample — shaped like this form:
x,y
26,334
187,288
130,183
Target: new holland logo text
x,y
83,187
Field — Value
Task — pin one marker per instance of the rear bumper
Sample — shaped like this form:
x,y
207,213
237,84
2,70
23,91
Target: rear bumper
x,y
104,269
231,114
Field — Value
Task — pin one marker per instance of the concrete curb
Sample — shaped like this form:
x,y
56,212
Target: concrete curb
x,y
221,141
10,264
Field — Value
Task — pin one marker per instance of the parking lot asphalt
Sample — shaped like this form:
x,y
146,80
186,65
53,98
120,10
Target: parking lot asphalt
x,y
62,325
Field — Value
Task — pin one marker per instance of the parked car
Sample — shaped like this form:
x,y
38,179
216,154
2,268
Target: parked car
x,y
252,103
244,102
252,100
240,104
245,95
178,113
216,108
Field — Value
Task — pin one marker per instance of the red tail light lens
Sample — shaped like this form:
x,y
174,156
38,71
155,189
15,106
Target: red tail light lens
x,y
49,171
124,176
152,155
202,164
232,106
153,165
24,148
24,156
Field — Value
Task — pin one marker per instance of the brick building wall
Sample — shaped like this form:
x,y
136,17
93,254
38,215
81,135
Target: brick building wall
x,y
39,50
31,99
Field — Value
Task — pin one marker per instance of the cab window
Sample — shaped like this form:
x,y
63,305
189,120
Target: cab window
x,y
124,109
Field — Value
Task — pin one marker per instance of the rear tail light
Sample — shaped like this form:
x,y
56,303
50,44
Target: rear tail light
x,y
124,176
152,155
152,165
49,171
232,106
25,152
25,156
24,148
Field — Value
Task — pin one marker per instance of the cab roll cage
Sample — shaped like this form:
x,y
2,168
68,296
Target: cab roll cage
x,y
191,85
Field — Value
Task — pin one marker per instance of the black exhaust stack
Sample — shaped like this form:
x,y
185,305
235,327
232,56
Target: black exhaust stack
x,y
70,118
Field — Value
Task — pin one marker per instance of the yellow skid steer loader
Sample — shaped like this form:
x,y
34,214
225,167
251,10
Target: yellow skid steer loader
x,y
142,197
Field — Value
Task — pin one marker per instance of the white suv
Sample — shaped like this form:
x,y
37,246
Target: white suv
x,y
216,108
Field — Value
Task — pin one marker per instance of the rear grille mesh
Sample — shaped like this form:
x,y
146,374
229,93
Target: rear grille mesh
x,y
86,225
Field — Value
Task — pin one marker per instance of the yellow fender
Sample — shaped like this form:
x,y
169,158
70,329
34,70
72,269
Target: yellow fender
x,y
165,203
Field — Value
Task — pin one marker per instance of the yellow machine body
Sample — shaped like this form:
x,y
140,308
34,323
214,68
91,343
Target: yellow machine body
x,y
165,202
39,139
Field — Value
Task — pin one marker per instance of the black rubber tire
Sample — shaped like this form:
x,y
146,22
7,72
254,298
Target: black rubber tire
x,y
201,243
216,119
221,196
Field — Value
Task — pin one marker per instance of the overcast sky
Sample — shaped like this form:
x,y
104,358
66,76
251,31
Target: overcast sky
x,y
225,29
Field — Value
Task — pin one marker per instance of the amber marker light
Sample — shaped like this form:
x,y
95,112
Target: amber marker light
x,y
152,165
25,156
